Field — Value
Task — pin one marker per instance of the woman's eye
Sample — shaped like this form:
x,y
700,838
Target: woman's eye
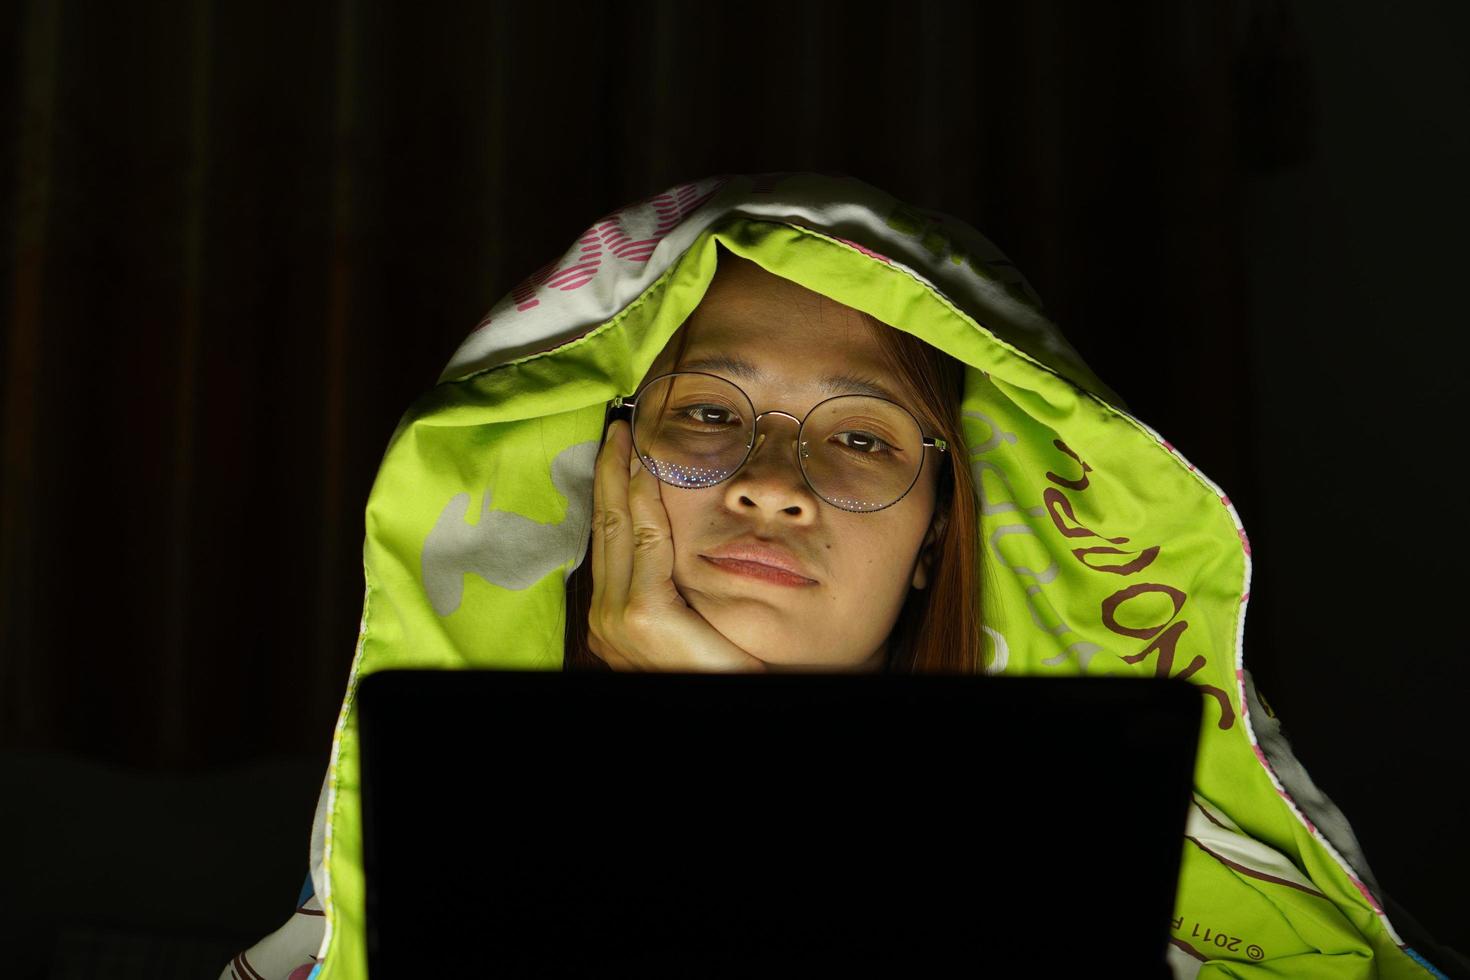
x,y
708,414
863,442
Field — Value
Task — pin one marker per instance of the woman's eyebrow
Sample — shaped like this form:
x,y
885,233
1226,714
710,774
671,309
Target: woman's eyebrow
x,y
834,384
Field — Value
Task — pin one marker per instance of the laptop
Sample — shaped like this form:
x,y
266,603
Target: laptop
x,y
534,823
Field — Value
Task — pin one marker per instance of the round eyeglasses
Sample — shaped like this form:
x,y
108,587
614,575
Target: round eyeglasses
x,y
857,452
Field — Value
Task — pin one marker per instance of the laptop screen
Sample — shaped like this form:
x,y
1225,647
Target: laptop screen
x,y
707,824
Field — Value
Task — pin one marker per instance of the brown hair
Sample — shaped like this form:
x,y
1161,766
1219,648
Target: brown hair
x,y
938,628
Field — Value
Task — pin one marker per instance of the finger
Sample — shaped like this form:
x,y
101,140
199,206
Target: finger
x,y
606,466
652,571
616,523
597,521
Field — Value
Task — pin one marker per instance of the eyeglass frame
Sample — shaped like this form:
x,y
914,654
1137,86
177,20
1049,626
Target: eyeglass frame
x,y
625,408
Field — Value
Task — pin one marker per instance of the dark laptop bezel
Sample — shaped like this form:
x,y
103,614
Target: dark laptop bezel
x,y
1132,708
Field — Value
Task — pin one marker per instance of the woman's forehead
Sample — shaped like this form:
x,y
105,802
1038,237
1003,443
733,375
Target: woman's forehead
x,y
754,325
835,378
742,289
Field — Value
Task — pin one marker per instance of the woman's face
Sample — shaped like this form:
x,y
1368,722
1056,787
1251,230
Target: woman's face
x,y
863,564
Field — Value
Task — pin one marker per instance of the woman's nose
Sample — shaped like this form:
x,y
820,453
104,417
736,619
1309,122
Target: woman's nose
x,y
771,478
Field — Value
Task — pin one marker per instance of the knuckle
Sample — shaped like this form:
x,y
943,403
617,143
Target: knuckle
x,y
608,522
647,537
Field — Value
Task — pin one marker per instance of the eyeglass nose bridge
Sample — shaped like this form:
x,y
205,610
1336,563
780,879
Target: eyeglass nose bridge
x,y
759,435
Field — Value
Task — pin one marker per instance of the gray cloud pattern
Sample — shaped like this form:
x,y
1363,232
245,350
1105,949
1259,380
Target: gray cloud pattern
x,y
505,548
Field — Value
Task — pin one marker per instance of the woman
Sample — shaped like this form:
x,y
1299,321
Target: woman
x,y
1019,521
656,596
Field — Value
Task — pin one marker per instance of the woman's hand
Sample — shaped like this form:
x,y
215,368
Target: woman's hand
x,y
637,619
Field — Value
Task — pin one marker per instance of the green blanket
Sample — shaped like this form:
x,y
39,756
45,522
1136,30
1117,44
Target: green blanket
x,y
1103,551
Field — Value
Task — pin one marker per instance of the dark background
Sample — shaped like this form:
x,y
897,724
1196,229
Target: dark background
x,y
241,241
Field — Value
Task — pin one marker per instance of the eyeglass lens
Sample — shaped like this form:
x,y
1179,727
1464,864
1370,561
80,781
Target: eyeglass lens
x,y
858,453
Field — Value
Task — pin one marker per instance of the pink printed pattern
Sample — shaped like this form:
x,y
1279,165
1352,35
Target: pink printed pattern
x,y
1245,542
609,235
866,251
524,295
672,207
583,267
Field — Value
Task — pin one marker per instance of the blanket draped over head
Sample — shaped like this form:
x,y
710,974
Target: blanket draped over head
x,y
1103,551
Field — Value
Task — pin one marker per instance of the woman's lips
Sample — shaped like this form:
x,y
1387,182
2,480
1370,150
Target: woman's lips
x,y
756,570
